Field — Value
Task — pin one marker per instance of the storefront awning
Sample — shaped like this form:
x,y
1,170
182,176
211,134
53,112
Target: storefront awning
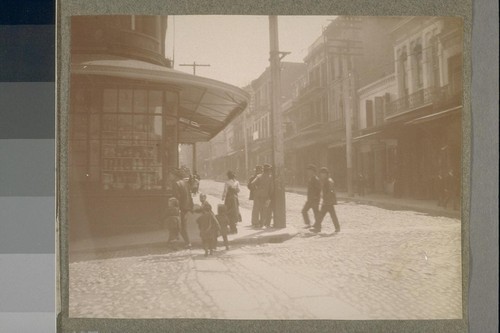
x,y
434,116
365,136
206,106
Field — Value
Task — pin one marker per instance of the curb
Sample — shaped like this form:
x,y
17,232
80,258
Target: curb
x,y
244,240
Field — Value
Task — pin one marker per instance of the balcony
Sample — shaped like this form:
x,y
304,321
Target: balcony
x,y
439,98
309,88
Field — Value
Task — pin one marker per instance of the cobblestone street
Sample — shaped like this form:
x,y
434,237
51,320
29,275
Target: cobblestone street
x,y
382,265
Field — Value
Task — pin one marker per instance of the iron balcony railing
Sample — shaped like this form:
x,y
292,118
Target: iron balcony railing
x,y
311,86
438,97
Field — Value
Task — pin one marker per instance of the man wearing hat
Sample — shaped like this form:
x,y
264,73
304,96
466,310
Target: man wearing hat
x,y
181,191
329,201
313,195
263,190
255,217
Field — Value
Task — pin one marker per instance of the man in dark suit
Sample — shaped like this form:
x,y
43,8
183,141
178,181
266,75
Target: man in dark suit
x,y
255,215
329,201
181,191
313,195
263,185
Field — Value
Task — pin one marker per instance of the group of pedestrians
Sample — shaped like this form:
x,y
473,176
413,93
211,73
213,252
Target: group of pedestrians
x,y
321,199
320,189
261,193
178,206
210,225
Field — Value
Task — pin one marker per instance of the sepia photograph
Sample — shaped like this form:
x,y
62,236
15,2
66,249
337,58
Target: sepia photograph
x,y
265,167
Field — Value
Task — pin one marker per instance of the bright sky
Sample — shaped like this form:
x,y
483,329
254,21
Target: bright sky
x,y
237,47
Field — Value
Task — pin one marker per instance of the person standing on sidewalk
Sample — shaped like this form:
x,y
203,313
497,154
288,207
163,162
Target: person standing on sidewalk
x,y
255,216
182,193
263,187
223,223
313,195
230,199
208,225
329,201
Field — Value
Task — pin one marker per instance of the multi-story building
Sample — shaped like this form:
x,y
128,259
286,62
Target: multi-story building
x,y
374,156
247,139
350,52
410,121
259,127
127,113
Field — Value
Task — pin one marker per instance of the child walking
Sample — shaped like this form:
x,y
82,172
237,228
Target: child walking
x,y
208,225
223,222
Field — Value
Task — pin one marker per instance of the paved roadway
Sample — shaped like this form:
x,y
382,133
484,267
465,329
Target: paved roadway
x,y
383,265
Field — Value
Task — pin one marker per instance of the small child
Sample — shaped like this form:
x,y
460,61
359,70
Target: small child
x,y
223,222
208,225
173,219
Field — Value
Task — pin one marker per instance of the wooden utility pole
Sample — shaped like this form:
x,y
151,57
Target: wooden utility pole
x,y
194,65
279,214
348,111
245,142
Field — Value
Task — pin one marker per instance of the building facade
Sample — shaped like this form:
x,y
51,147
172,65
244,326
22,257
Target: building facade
x,y
350,52
416,135
128,113
378,101
248,138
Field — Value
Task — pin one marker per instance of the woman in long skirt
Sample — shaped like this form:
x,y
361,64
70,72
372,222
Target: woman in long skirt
x,y
230,198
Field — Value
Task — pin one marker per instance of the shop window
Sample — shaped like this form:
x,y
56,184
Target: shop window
x,y
155,104
119,143
110,100
140,101
171,103
131,154
125,100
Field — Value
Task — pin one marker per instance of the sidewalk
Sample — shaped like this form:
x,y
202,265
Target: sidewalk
x,y
390,202
157,238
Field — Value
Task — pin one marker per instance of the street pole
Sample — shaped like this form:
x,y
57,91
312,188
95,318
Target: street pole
x,y
194,65
279,215
245,141
348,131
195,164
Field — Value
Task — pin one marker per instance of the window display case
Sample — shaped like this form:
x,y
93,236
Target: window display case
x,y
122,138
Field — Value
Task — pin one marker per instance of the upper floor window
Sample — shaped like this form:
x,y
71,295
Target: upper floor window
x,y
419,72
432,59
403,71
